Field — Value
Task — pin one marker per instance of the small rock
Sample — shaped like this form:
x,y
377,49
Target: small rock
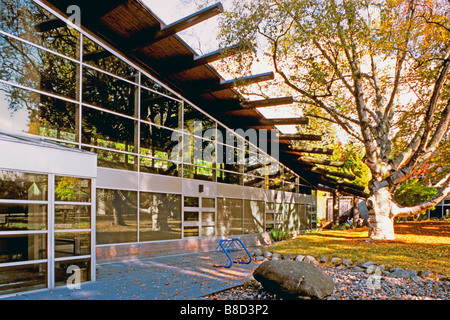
x,y
267,254
359,269
276,255
311,259
366,264
275,258
257,252
336,261
323,259
299,257
370,269
287,256
259,258
441,277
346,262
358,263
400,273
425,274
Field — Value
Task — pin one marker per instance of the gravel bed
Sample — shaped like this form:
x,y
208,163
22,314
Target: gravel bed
x,y
354,285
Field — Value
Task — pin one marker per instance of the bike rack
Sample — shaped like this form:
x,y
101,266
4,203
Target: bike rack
x,y
232,245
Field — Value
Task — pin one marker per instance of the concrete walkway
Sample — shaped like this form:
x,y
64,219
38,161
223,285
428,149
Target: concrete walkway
x,y
181,277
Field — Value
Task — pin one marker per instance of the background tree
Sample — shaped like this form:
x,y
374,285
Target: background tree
x,y
379,69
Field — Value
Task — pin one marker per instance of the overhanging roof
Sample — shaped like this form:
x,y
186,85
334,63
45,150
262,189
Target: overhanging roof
x,y
136,32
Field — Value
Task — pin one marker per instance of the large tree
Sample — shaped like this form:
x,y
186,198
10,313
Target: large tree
x,y
379,69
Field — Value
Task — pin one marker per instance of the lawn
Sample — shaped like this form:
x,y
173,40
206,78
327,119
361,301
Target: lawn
x,y
419,245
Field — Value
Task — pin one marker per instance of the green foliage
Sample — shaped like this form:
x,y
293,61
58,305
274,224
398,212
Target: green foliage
x,y
280,234
412,192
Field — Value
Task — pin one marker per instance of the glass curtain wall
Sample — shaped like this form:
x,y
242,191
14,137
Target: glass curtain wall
x,y
53,84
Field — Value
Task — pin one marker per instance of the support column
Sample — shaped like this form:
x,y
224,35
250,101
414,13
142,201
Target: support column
x,y
335,209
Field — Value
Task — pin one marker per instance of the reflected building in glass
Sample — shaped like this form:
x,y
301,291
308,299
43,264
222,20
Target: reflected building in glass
x,y
159,181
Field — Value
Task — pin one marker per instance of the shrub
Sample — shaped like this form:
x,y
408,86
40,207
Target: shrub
x,y
279,235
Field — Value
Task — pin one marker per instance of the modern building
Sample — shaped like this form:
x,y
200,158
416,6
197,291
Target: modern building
x,y
118,142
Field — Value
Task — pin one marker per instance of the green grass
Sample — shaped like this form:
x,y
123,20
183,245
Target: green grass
x,y
418,246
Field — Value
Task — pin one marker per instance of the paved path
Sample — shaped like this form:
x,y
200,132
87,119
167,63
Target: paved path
x,y
181,277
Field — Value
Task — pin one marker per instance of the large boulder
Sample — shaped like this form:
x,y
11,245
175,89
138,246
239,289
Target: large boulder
x,y
294,279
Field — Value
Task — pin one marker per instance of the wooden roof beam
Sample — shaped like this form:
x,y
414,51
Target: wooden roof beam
x,y
244,81
266,102
49,25
311,150
177,26
300,136
284,121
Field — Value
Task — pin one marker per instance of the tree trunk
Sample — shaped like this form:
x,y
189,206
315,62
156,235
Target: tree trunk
x,y
381,218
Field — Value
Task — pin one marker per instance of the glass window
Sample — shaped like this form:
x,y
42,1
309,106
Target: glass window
x,y
208,231
160,109
229,177
253,216
53,34
255,182
199,173
74,269
72,244
95,55
23,186
229,216
208,217
72,189
23,217
157,166
198,151
107,130
160,142
191,231
23,278
103,90
116,218
191,216
153,85
208,202
114,160
35,68
22,247
226,136
159,216
191,202
196,122
26,111
72,217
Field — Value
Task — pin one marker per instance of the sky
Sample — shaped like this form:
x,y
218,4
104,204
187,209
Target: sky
x,y
202,38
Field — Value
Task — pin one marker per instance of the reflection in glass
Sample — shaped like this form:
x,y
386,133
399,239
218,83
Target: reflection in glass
x,y
196,122
103,90
114,160
35,68
191,216
23,186
72,244
66,269
23,217
72,217
191,231
62,39
229,216
199,173
153,85
26,111
72,189
116,218
23,278
253,216
157,166
160,142
107,130
191,202
198,151
22,247
160,109
159,216
93,55
208,217
208,231
208,202
229,177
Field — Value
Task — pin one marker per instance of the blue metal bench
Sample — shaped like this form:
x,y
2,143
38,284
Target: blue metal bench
x,y
232,245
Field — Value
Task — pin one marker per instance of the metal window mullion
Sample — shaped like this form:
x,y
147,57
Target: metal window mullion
x,y
51,232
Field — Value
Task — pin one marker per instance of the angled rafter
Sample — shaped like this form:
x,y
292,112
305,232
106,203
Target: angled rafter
x,y
300,136
49,25
244,81
150,36
266,102
284,121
